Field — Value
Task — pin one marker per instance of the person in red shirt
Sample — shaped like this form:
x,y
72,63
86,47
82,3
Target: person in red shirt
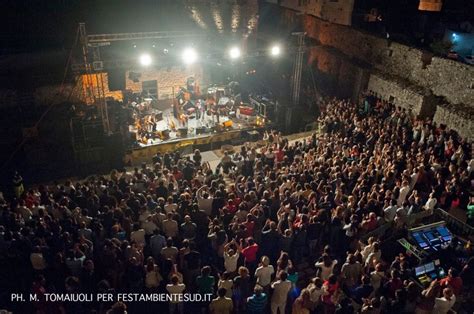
x,y
231,206
453,281
178,175
279,154
330,288
250,254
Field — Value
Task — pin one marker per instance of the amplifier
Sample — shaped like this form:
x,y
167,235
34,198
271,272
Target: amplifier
x,y
183,132
200,130
159,116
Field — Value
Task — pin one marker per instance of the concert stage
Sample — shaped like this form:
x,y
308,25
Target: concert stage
x,y
211,135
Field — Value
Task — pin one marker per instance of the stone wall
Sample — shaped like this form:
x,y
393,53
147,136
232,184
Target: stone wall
x,y
339,12
407,97
347,61
445,78
458,118
169,80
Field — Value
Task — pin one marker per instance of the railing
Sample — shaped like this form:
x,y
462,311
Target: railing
x,y
454,224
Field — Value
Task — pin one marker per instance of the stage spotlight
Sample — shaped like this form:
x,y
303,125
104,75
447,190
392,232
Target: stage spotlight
x,y
275,51
234,53
189,56
145,59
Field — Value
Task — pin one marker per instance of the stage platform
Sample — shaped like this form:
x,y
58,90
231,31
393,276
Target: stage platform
x,y
211,137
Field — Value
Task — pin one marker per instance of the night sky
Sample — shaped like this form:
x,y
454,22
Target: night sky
x,y
39,24
31,25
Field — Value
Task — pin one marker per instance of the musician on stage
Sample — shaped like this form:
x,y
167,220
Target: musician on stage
x,y
198,109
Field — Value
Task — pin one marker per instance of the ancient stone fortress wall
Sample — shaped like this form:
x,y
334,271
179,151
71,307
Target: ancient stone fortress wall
x,y
411,78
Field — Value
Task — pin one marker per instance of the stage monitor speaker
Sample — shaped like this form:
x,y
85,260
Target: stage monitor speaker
x,y
183,132
159,116
116,79
200,130
252,136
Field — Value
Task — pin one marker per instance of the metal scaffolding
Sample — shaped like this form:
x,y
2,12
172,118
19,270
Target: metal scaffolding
x,y
297,69
92,64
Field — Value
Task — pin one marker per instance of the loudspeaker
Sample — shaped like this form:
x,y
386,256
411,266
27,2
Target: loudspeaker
x,y
134,76
183,132
200,130
159,116
116,79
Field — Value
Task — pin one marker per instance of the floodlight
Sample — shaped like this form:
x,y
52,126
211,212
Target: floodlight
x,y
145,59
189,56
234,53
275,51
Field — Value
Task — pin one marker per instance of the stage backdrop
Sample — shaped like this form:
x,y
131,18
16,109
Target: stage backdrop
x,y
164,82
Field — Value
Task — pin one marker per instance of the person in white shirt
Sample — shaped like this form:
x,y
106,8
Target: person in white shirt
x,y
390,211
144,213
138,235
316,290
264,272
231,258
404,190
227,283
170,226
170,206
175,289
443,305
204,200
431,202
149,226
280,288
37,259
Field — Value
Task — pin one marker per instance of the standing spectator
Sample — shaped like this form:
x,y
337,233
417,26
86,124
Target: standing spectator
x,y
302,304
250,254
226,282
205,282
175,289
170,226
169,251
264,273
257,302
231,257
221,304
327,266
242,289
281,288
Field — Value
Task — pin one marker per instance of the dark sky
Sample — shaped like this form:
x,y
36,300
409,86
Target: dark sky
x,y
39,24
29,25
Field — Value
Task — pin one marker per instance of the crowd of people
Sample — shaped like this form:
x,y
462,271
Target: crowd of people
x,y
272,230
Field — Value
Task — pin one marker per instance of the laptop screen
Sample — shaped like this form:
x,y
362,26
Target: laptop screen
x,y
420,270
429,267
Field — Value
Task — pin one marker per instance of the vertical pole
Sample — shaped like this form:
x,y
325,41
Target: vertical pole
x,y
296,80
87,68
